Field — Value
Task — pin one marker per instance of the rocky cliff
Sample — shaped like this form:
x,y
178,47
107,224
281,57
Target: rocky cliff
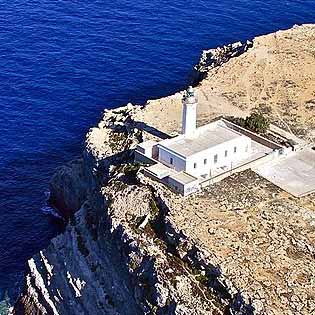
x,y
134,247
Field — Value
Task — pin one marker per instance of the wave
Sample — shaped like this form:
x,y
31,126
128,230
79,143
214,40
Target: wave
x,y
49,210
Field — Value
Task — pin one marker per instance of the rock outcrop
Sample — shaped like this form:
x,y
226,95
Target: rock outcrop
x,y
121,253
133,247
216,57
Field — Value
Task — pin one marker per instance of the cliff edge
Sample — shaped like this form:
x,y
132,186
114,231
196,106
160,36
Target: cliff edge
x,y
241,246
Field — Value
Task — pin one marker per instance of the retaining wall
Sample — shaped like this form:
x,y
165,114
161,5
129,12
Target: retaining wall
x,y
255,137
240,168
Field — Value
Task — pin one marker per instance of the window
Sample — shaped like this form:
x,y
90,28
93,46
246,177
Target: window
x,y
205,161
171,160
195,165
246,148
235,149
215,158
226,153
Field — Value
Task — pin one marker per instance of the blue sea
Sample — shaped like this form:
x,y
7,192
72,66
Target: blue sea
x,y
63,61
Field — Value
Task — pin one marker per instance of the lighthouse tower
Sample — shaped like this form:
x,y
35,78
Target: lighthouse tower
x,y
189,122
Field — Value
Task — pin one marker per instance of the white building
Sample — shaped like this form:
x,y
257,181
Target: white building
x,y
196,154
211,147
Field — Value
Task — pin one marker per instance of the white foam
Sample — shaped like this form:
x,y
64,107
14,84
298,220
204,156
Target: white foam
x,y
51,211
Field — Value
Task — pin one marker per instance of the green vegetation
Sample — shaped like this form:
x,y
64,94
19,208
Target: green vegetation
x,y
256,122
133,265
202,279
156,220
154,208
117,140
131,169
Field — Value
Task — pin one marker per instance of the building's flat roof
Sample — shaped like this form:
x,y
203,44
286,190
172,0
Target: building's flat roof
x,y
183,178
294,173
206,137
159,170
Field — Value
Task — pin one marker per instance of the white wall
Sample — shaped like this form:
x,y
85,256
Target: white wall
x,y
148,148
179,187
204,169
179,164
189,120
191,188
142,158
184,189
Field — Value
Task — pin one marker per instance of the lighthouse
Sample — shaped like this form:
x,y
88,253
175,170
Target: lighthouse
x,y
189,118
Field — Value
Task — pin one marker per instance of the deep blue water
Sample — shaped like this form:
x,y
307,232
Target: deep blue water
x,y
62,62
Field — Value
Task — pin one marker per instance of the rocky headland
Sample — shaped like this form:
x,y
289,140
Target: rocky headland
x,y
241,246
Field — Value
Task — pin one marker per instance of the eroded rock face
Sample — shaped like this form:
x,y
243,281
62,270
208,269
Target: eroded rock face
x,y
69,187
216,57
106,146
82,272
134,247
109,260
